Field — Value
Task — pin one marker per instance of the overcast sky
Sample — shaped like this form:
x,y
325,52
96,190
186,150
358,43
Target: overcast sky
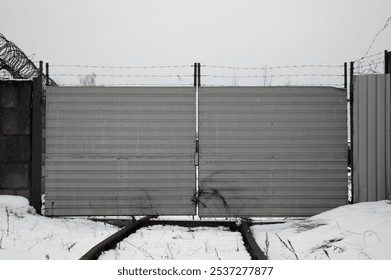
x,y
213,32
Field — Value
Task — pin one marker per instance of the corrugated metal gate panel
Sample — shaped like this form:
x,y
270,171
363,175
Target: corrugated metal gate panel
x,y
371,138
120,151
272,151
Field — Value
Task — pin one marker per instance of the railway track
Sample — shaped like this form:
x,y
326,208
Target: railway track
x,y
132,226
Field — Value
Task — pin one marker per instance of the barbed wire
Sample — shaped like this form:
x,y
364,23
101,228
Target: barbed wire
x,y
136,78
273,76
190,66
371,68
124,76
372,64
388,21
367,71
120,67
368,65
128,84
273,67
204,75
278,85
378,60
14,61
210,78
370,56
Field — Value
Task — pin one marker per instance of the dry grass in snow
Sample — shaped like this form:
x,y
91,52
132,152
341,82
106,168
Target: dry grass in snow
x,y
25,235
352,232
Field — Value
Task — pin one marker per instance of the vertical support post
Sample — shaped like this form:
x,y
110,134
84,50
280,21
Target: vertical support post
x,y
36,141
47,74
345,72
351,90
386,62
197,83
389,62
199,74
195,74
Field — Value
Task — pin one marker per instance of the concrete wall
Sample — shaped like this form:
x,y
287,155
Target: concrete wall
x,y
15,138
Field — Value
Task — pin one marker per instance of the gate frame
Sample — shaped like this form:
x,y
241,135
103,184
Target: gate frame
x,y
197,84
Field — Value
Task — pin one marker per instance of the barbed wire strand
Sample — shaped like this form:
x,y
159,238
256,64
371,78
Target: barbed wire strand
x,y
120,67
204,75
126,84
273,67
388,21
188,66
203,65
367,71
273,76
281,85
370,56
123,76
370,64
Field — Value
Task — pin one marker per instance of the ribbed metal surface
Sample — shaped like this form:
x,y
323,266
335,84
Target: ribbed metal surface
x,y
371,138
272,151
120,151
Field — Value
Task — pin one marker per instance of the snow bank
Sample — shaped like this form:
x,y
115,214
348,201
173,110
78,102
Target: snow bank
x,y
25,235
359,231
15,204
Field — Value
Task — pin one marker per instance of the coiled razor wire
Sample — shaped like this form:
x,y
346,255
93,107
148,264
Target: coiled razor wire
x,y
14,61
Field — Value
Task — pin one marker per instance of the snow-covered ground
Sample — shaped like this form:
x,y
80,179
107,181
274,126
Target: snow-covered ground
x,y
360,231
25,235
352,232
174,242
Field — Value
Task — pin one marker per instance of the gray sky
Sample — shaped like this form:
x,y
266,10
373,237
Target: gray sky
x,y
214,32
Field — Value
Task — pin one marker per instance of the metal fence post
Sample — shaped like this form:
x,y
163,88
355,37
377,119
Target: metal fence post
x,y
199,74
351,89
47,74
36,141
195,74
345,72
387,63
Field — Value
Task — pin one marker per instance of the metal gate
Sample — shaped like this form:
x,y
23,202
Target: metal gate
x,y
272,151
263,151
120,151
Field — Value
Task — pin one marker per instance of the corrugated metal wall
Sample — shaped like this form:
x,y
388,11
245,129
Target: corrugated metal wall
x,y
272,151
120,151
371,138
